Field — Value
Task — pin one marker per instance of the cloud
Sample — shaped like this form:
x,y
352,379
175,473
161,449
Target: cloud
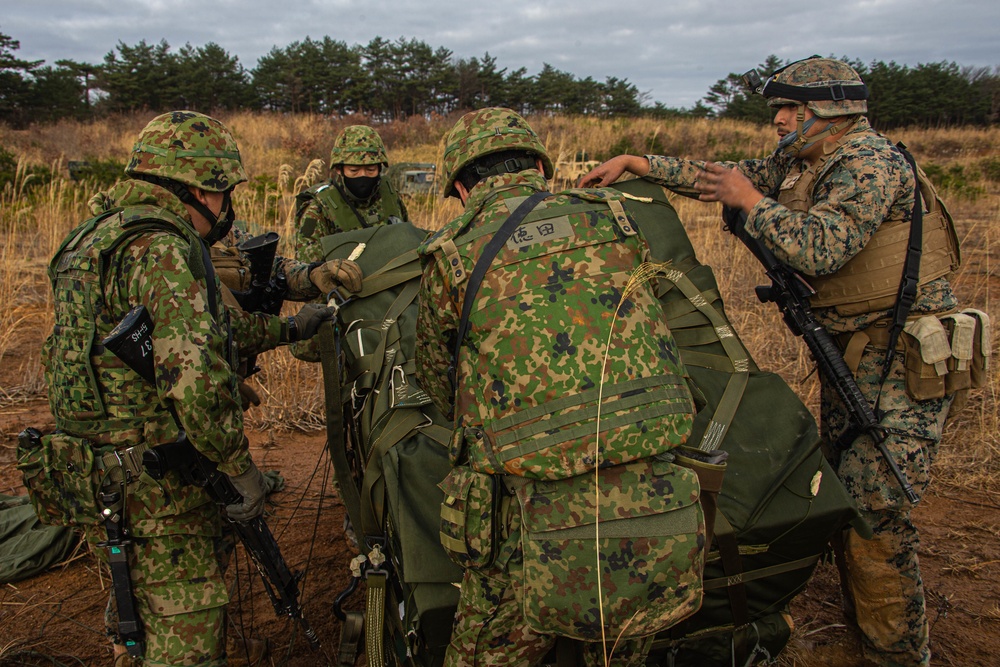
x,y
673,50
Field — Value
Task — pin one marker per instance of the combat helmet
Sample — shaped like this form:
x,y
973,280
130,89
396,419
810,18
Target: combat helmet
x,y
828,87
186,148
358,144
190,148
486,131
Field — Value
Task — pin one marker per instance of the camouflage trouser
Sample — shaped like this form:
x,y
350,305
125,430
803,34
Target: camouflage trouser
x,y
884,574
179,590
490,629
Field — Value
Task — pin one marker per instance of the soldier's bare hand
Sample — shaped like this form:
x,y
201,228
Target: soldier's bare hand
x,y
729,186
610,171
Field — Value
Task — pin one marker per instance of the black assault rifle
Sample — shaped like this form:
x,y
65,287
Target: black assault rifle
x,y
132,342
790,292
267,289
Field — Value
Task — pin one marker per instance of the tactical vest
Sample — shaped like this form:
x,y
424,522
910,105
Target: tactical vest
x,y
92,393
347,216
869,281
565,368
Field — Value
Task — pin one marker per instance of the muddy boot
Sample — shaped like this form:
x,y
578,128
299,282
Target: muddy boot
x,y
249,651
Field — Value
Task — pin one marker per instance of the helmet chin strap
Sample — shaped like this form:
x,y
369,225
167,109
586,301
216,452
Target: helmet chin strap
x,y
220,224
794,143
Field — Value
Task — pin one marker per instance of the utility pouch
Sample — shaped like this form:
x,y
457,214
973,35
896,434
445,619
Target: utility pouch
x,y
979,366
231,268
615,553
469,517
968,367
62,479
927,350
710,467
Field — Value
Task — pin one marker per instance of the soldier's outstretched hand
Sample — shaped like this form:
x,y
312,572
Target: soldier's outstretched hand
x,y
610,171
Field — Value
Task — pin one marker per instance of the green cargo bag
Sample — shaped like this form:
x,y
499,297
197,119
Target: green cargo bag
x,y
780,501
388,444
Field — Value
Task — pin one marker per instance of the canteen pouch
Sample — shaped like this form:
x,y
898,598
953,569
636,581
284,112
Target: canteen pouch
x,y
927,350
614,554
61,477
469,517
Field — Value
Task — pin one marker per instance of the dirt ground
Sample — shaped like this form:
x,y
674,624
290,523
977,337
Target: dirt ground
x,y
56,618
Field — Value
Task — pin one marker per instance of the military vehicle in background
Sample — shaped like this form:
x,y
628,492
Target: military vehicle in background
x,y
412,179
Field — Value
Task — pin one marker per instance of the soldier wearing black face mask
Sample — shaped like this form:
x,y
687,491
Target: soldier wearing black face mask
x,y
355,196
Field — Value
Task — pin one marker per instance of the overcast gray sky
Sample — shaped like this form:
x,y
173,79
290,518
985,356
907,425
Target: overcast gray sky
x,y
674,50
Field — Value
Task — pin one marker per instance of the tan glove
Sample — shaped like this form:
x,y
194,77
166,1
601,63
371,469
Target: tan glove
x,y
250,485
331,275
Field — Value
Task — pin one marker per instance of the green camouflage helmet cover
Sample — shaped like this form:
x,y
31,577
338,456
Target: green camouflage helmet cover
x,y
358,144
188,147
486,131
835,75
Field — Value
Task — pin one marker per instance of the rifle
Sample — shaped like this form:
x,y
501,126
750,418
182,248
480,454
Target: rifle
x,y
131,341
267,289
790,292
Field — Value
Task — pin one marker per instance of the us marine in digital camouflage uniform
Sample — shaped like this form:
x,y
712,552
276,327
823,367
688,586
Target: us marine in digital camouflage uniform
x,y
355,196
150,249
833,185
540,346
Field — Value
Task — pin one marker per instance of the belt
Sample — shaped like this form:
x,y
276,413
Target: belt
x,y
123,464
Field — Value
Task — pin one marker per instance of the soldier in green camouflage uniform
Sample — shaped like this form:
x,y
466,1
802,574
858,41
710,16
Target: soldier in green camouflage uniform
x,y
355,196
148,249
540,345
833,184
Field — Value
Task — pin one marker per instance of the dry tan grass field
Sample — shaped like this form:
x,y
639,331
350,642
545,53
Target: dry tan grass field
x,y
56,618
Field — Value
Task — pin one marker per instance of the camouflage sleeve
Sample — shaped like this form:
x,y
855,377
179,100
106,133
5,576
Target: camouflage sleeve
x,y
255,333
849,203
189,349
679,174
296,272
437,324
310,226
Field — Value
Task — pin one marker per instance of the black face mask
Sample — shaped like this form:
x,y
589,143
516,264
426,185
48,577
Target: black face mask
x,y
224,222
362,187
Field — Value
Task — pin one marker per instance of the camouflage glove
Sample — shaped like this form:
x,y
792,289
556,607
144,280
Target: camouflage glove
x,y
306,322
250,485
335,273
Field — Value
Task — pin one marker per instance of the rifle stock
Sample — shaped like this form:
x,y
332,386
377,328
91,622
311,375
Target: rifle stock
x,y
131,341
790,292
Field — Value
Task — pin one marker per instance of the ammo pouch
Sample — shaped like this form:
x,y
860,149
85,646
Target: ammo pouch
x,y
62,477
470,517
946,355
638,526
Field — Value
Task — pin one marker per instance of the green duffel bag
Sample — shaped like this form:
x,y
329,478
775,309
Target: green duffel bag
x,y
780,501
388,444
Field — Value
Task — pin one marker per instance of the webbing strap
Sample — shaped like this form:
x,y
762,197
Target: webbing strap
x,y
732,565
336,442
350,637
731,397
375,618
763,573
399,270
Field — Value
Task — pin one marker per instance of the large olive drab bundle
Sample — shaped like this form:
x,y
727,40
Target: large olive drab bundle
x,y
778,506
780,501
388,444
